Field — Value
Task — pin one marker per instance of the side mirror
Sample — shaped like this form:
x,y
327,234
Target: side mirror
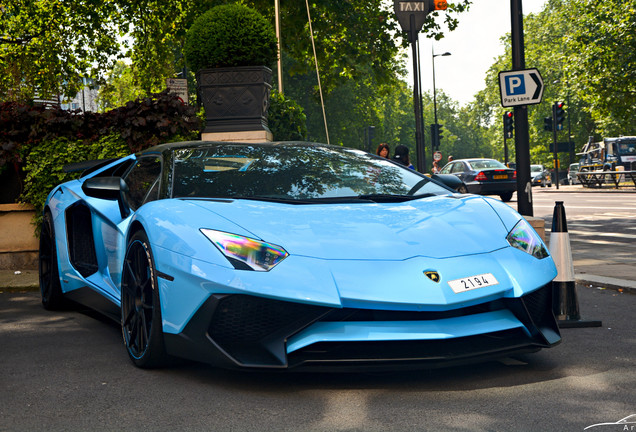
x,y
448,180
108,188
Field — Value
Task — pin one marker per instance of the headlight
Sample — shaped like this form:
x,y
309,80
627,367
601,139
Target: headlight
x,y
246,253
525,238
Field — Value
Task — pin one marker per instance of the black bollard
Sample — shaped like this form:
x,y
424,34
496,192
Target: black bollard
x,y
565,303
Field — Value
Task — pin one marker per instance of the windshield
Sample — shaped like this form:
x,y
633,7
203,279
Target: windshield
x,y
627,148
292,172
485,164
536,168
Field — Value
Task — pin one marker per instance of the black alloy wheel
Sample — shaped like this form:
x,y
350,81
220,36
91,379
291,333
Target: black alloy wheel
x,y
140,307
49,273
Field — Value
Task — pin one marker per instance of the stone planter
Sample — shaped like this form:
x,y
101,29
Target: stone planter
x,y
235,100
18,244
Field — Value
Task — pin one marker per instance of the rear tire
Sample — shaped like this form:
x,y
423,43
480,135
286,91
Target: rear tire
x,y
505,197
141,306
462,189
49,273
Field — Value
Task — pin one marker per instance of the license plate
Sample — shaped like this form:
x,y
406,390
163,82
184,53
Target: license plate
x,y
500,177
473,282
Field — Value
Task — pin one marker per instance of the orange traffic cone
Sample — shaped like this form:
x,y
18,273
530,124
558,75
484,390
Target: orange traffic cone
x,y
565,302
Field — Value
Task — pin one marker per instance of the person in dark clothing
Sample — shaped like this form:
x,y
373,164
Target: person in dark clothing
x,y
402,156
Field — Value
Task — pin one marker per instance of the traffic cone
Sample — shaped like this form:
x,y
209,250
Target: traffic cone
x,y
565,303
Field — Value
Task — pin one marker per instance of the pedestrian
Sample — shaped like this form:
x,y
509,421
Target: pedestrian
x,y
450,158
435,167
402,156
383,150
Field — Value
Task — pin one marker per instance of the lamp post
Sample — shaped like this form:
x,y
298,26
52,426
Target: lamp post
x,y
435,135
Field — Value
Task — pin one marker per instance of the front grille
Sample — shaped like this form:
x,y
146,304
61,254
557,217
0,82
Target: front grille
x,y
254,329
427,353
373,315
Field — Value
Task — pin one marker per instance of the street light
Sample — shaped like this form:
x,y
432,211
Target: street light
x,y
434,139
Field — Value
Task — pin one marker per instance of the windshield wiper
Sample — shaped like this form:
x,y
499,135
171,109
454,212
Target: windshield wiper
x,y
393,197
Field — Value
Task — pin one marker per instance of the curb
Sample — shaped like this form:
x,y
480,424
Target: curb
x,y
620,285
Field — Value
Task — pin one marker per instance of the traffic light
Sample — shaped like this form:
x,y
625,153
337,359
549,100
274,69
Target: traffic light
x,y
437,5
436,135
547,124
559,115
508,124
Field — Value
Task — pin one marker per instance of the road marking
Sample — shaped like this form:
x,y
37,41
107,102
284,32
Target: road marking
x,y
603,234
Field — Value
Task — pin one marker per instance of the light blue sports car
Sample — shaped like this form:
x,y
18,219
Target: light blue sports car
x,y
294,255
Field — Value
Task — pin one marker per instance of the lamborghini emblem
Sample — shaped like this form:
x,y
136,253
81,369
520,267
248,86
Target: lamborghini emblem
x,y
432,275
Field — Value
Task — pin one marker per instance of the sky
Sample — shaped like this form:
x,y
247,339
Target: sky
x,y
473,46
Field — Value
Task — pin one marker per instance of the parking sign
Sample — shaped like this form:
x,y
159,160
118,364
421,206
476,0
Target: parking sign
x,y
522,87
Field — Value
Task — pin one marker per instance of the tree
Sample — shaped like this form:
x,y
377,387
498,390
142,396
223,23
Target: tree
x,y
47,47
119,87
586,52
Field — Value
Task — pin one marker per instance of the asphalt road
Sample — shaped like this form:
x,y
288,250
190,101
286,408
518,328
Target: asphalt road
x,y
68,371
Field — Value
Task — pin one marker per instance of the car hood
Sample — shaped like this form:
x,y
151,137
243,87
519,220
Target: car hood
x,y
436,227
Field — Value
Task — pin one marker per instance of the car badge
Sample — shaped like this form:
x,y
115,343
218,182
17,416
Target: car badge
x,y
433,275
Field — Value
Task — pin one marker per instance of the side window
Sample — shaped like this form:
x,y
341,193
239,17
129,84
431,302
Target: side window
x,y
458,167
143,177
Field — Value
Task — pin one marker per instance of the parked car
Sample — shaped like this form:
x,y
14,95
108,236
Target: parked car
x,y
484,177
295,255
573,170
540,176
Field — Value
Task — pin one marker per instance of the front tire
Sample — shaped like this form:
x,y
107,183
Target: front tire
x,y
49,273
140,305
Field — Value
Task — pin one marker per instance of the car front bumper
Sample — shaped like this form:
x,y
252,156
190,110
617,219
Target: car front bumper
x,y
244,331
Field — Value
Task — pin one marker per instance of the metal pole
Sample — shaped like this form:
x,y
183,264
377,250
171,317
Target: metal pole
x,y
421,163
280,50
434,90
554,141
422,128
522,136
505,149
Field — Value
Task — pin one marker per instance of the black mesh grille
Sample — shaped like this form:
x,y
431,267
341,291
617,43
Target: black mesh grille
x,y
353,315
254,329
80,240
539,305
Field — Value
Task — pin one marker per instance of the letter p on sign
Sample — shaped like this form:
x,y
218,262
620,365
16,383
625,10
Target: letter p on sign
x,y
515,85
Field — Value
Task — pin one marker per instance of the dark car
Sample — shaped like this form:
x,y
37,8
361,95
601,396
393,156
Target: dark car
x,y
540,176
484,177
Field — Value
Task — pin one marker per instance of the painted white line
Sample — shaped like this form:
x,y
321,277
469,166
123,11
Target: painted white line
x,y
603,234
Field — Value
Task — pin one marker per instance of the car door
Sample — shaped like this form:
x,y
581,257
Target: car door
x,y
111,226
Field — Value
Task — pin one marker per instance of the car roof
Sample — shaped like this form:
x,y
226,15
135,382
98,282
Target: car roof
x,y
161,148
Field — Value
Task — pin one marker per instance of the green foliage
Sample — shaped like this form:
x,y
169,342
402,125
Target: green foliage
x,y
286,119
150,121
228,36
45,162
586,52
46,47
119,88
141,123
